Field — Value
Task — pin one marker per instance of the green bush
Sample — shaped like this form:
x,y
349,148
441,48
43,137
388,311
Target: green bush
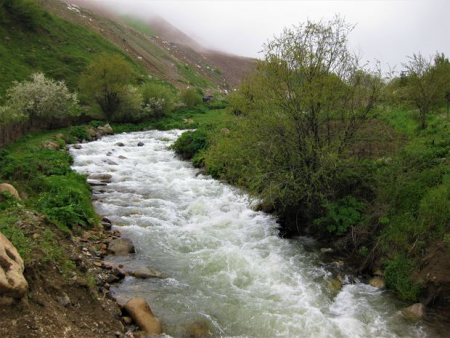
x,y
341,215
190,97
190,143
67,202
153,92
398,277
80,133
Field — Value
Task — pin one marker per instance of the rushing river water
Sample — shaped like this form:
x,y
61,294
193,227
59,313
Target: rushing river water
x,y
227,268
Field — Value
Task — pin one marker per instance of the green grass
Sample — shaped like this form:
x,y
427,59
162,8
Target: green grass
x,y
193,78
56,47
406,121
138,25
45,177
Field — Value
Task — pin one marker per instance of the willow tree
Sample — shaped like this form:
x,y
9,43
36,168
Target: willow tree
x,y
300,111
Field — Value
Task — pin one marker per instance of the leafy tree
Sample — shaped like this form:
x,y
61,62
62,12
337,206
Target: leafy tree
x,y
426,83
300,112
159,97
131,105
190,97
40,97
105,81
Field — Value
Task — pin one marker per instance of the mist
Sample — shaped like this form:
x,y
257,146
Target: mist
x,y
387,31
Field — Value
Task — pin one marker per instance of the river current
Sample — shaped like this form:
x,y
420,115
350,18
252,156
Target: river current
x,y
228,270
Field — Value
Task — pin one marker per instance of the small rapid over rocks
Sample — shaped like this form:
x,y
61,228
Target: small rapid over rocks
x,y
228,272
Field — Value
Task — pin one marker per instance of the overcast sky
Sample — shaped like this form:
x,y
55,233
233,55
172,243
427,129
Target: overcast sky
x,y
385,30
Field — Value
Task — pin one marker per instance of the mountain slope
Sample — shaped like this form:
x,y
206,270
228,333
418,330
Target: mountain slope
x,y
163,49
33,40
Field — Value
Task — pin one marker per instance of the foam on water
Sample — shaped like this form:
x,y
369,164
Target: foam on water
x,y
227,267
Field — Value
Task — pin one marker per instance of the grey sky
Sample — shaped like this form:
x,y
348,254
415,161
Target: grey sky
x,y
386,30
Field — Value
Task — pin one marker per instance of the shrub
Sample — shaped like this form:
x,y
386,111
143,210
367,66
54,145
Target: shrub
x,y
190,97
159,98
341,215
131,106
80,133
67,202
39,98
190,143
398,277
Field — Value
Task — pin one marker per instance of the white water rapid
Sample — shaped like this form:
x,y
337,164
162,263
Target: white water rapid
x,y
227,269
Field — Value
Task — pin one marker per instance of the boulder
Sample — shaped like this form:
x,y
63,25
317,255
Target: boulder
x,y
122,157
140,144
9,188
199,329
92,132
120,144
144,273
336,284
110,162
106,129
121,247
143,316
377,282
12,282
415,311
53,145
101,177
77,146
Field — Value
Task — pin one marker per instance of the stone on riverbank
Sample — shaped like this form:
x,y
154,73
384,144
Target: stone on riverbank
x,y
9,188
121,247
377,282
12,282
143,316
415,311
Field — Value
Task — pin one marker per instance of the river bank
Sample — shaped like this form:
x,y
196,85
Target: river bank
x,y
214,248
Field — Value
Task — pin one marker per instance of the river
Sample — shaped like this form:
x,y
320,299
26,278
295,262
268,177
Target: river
x,y
227,268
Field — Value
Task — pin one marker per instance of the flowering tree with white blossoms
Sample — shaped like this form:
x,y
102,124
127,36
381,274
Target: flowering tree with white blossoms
x,y
40,97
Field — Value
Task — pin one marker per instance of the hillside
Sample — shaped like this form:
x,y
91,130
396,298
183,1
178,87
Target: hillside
x,y
33,40
163,49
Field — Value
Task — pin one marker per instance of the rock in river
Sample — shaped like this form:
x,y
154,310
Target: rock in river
x,y
143,316
121,247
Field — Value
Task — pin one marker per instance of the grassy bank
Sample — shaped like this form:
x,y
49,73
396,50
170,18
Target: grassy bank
x,y
396,206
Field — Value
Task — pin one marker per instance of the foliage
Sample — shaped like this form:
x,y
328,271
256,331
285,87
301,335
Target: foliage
x,y
298,115
57,48
160,99
80,133
39,98
131,106
426,83
398,277
190,97
27,12
341,215
15,235
66,201
105,81
28,167
190,143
